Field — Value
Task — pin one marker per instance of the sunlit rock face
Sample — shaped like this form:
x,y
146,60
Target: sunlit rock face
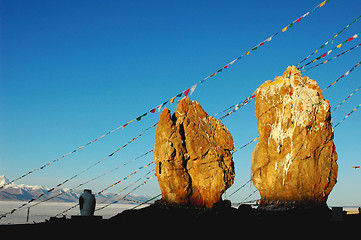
x,y
295,158
192,154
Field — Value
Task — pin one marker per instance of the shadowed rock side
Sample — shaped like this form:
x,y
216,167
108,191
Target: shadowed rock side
x,y
192,154
295,158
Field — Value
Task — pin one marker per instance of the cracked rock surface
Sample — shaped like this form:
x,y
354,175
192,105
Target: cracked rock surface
x,y
192,154
294,160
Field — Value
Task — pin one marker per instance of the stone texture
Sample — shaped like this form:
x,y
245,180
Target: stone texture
x,y
294,160
192,154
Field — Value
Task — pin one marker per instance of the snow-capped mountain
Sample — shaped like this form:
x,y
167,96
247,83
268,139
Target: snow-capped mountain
x,y
23,192
5,181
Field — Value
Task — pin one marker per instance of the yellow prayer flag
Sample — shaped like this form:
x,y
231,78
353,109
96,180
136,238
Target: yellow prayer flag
x,y
323,3
248,52
338,46
255,139
172,100
214,74
316,51
285,29
314,60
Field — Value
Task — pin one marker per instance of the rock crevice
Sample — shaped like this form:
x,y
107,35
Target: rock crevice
x,y
192,153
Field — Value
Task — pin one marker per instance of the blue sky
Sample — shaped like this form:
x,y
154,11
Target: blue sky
x,y
71,71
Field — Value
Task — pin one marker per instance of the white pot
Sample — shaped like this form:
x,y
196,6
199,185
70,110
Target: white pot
x,y
87,203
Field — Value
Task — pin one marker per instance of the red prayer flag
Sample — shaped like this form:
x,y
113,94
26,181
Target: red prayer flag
x,y
186,92
324,55
298,20
262,43
349,39
152,111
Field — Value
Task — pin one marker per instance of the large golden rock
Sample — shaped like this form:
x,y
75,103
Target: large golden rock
x,y
192,154
295,158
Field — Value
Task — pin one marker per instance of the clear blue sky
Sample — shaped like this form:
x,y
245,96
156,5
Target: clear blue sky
x,y
71,71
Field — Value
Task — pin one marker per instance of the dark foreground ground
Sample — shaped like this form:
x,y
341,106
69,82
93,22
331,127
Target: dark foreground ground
x,y
221,220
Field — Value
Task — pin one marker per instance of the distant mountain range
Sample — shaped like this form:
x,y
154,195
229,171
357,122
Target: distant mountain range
x,y
23,192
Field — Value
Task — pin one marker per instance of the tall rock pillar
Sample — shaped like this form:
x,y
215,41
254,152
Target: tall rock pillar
x,y
192,154
294,160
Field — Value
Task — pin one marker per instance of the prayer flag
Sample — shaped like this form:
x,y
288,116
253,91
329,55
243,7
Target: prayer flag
x,y
193,88
323,3
338,46
233,61
140,117
159,107
285,29
187,91
269,39
172,100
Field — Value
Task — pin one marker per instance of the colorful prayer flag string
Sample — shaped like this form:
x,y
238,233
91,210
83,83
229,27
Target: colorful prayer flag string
x,y
329,51
345,74
245,145
327,42
346,99
330,59
238,106
117,182
353,110
267,40
142,184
